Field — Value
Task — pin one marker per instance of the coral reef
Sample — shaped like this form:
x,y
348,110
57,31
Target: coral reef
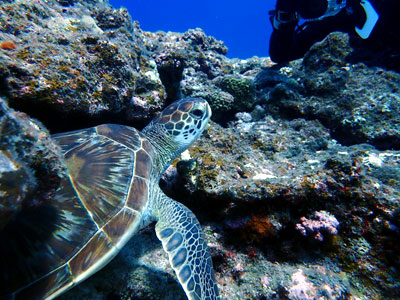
x,y
86,65
260,178
294,150
320,222
357,103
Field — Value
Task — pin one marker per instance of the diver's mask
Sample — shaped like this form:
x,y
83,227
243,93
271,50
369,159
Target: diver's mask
x,y
311,10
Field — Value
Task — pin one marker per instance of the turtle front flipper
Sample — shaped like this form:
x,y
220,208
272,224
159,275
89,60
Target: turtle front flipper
x,y
182,238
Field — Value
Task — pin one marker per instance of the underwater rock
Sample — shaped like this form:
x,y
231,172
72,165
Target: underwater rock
x,y
197,37
241,88
15,183
193,64
131,275
296,150
94,61
111,19
88,65
330,52
357,103
257,179
67,2
170,67
31,165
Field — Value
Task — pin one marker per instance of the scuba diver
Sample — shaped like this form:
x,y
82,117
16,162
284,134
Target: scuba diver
x,y
373,27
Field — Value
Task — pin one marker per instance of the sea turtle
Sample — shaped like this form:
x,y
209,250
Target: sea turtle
x,y
112,191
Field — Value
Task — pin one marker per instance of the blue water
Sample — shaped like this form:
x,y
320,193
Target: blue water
x,y
242,25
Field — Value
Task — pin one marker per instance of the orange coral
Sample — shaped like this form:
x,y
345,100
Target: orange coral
x,y
8,45
259,228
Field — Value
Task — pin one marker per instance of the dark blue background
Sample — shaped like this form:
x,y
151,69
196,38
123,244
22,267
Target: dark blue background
x,y
243,26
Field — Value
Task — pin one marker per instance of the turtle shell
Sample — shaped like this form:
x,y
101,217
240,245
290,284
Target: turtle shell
x,y
91,216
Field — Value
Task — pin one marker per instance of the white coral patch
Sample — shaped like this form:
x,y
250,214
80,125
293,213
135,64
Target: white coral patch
x,y
89,23
152,75
60,23
313,161
185,155
260,176
286,71
373,159
302,289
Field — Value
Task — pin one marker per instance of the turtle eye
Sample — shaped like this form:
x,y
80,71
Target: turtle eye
x,y
197,113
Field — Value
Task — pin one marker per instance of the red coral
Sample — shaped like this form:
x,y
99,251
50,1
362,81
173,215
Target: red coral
x,y
8,45
259,228
251,229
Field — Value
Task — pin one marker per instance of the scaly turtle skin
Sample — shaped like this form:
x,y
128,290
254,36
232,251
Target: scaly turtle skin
x,y
112,191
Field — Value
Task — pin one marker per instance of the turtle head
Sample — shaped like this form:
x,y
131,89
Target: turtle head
x,y
178,126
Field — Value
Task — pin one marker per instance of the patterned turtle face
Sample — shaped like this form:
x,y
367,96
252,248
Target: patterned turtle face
x,y
185,120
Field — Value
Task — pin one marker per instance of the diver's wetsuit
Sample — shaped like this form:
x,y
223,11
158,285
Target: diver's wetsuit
x,y
291,41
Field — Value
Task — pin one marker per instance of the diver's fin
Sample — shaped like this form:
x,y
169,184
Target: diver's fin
x,y
372,19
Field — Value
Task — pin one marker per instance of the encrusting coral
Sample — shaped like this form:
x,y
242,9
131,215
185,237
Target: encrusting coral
x,y
321,222
304,147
